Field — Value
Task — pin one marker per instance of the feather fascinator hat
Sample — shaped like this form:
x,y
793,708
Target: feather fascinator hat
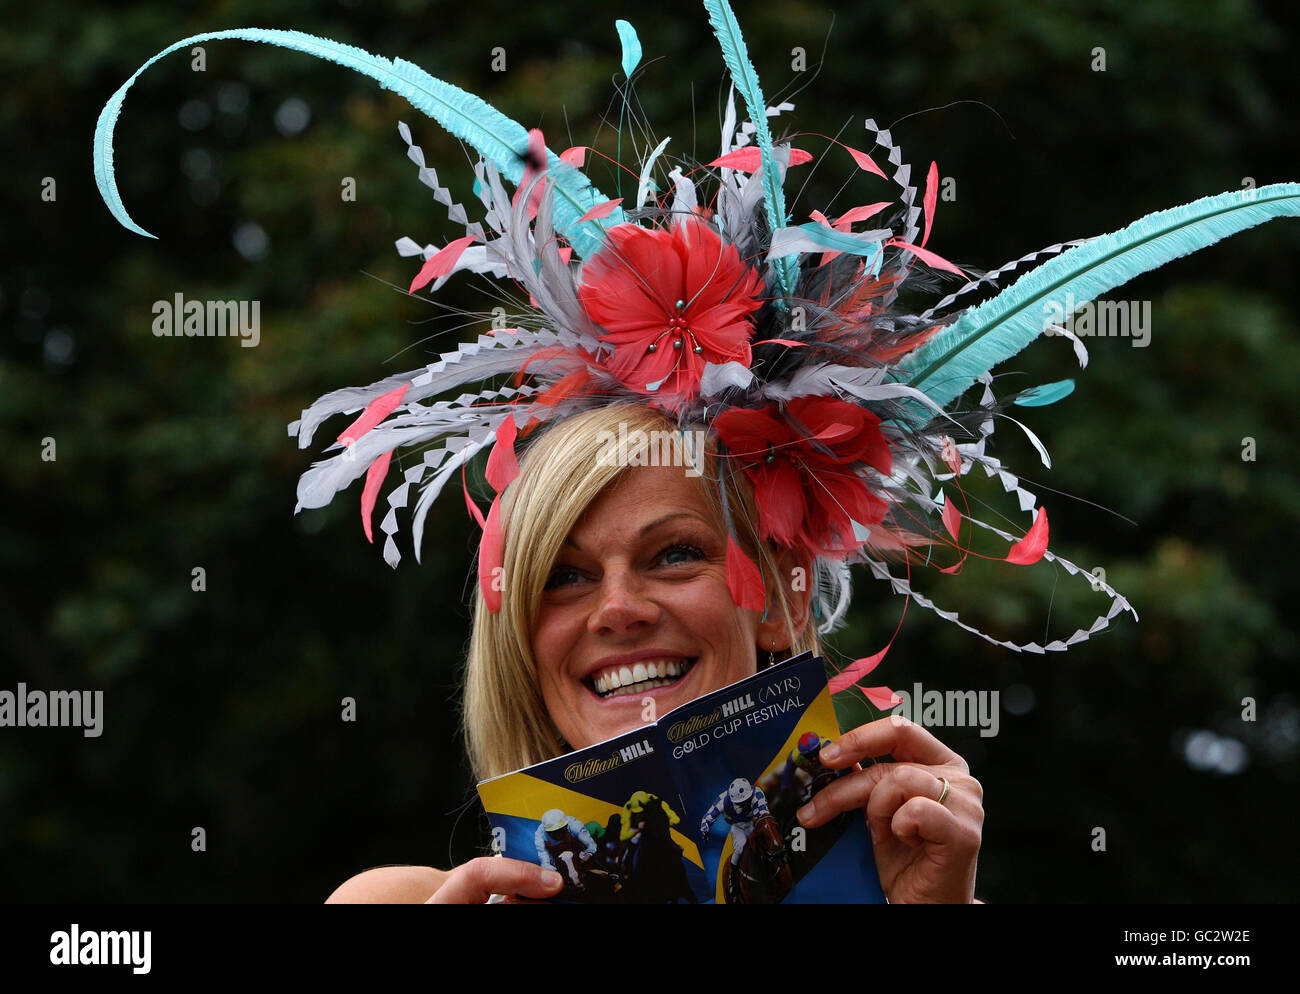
x,y
854,419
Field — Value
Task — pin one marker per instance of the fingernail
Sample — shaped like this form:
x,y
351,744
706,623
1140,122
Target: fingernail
x,y
875,835
830,750
804,813
551,879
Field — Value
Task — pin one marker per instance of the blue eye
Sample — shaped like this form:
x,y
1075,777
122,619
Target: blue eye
x,y
556,577
562,576
681,547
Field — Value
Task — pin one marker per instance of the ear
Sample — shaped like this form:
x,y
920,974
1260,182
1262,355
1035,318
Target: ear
x,y
794,574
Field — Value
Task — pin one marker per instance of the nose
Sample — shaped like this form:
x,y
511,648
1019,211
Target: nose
x,y
623,605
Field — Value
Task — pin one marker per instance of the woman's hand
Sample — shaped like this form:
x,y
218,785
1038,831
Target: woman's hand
x,y
474,882
925,851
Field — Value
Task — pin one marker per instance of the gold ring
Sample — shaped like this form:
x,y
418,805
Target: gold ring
x,y
946,785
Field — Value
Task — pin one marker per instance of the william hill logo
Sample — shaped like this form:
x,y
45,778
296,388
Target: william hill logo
x,y
738,705
636,750
589,768
678,730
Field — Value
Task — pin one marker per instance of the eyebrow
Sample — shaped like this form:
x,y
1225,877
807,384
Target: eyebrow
x,y
648,528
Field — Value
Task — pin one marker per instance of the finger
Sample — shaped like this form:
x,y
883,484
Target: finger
x,y
474,882
897,788
893,736
880,788
921,821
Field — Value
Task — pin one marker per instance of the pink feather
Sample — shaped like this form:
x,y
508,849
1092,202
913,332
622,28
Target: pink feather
x,y
441,262
951,518
502,464
882,698
743,579
575,156
490,548
470,506
864,161
859,214
856,670
600,210
1030,549
931,197
926,256
374,480
375,412
749,158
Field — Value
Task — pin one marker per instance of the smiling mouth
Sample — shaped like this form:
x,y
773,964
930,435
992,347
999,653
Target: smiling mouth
x,y
649,674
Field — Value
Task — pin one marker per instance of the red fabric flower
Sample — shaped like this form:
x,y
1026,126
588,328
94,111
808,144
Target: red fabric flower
x,y
632,289
803,467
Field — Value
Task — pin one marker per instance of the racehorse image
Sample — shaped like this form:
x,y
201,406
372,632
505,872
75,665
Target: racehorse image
x,y
763,874
604,875
653,861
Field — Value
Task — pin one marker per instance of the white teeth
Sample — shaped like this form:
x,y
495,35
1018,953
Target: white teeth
x,y
640,677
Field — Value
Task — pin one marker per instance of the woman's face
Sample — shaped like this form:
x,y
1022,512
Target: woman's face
x,y
636,618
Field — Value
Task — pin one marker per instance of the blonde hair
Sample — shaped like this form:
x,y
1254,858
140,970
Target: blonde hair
x,y
505,720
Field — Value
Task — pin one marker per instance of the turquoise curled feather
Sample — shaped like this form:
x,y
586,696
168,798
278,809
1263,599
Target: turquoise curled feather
x,y
997,329
631,45
1048,393
497,138
736,56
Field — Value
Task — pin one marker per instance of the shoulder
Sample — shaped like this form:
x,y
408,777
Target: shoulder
x,y
389,885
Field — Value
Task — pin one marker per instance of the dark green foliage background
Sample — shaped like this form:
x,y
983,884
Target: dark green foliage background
x,y
222,707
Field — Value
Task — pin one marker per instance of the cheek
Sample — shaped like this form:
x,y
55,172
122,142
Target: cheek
x,y
558,634
714,615
553,638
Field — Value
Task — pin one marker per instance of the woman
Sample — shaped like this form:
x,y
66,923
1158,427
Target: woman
x,y
701,303
620,564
